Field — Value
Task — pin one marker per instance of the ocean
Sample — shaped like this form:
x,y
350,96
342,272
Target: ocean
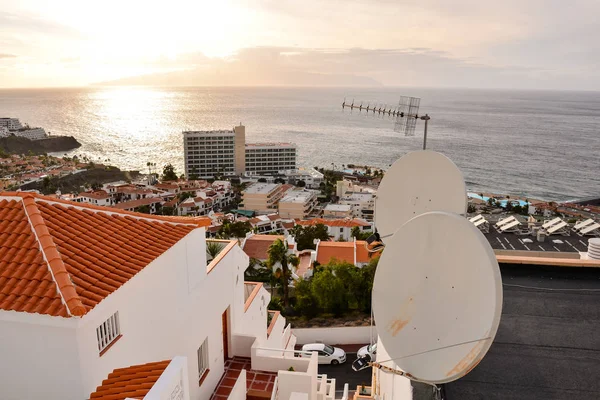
x,y
540,144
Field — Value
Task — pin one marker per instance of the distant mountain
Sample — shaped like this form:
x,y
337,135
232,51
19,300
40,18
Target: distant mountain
x,y
235,76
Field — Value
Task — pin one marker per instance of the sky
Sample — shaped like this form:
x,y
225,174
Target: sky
x,y
532,44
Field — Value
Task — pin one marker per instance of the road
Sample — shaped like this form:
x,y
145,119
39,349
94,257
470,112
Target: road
x,y
548,342
344,373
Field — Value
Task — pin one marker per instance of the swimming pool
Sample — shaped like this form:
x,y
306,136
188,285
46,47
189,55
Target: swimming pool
x,y
502,202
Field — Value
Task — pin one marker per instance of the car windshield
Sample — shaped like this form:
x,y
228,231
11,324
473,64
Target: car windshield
x,y
328,349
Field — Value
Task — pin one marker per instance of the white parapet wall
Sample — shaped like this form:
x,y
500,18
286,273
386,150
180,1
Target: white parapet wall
x,y
239,389
336,335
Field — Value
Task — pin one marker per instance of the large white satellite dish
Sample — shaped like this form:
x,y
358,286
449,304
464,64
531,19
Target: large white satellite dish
x,y
437,297
419,182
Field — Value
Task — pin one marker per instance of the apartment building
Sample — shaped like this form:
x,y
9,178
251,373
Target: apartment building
x,y
362,203
12,124
225,152
337,211
270,158
263,197
297,203
339,228
102,303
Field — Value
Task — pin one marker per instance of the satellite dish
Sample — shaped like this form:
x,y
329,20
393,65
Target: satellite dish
x,y
437,297
419,182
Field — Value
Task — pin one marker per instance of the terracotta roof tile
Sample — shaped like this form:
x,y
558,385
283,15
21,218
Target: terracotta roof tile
x,y
257,246
131,382
63,258
138,203
342,251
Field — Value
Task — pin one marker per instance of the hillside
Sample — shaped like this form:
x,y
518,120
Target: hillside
x,y
21,145
76,183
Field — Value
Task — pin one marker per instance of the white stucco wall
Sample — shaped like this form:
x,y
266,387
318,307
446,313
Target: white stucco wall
x,y
337,335
391,386
171,385
168,309
239,389
34,358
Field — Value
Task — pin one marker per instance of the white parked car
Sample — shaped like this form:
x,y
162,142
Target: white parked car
x,y
327,354
370,349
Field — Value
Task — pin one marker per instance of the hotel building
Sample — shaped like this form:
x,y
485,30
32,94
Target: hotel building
x,y
210,153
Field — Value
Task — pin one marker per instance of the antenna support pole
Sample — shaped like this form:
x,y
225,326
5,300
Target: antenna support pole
x,y
425,118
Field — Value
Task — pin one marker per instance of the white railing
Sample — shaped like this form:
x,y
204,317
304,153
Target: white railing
x,y
275,393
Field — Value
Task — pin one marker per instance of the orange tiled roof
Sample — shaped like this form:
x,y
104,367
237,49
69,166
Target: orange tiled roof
x,y
342,251
138,203
98,194
257,246
334,222
62,258
131,382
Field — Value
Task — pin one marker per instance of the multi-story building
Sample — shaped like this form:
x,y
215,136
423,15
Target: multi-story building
x,y
4,131
31,133
337,211
102,303
270,158
12,124
297,203
225,152
362,203
263,197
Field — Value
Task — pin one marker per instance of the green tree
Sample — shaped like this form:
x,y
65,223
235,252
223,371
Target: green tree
x,y
329,292
279,259
236,229
301,183
279,180
213,249
169,173
306,235
471,208
306,304
262,180
360,235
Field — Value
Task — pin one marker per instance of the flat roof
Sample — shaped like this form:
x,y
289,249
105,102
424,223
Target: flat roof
x,y
338,207
547,343
297,196
511,241
271,144
357,196
261,188
218,132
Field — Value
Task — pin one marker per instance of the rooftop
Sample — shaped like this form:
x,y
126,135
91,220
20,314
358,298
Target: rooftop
x,y
362,196
261,188
131,382
297,196
547,344
271,144
257,246
62,258
511,241
338,207
350,223
344,251
125,205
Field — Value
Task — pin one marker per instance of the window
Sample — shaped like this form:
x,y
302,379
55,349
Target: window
x,y
341,230
203,358
108,332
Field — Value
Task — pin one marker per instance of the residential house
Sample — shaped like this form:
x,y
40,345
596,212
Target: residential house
x,y
353,252
97,198
94,296
271,223
337,211
339,228
362,203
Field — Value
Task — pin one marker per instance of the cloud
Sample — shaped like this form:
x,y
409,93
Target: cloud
x,y
3,55
33,24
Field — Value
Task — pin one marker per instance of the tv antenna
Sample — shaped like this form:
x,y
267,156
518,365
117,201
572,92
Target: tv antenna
x,y
437,292
406,114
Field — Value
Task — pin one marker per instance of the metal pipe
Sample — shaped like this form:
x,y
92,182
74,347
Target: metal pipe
x,y
425,118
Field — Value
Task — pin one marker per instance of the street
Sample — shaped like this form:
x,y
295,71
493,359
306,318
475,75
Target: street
x,y
344,373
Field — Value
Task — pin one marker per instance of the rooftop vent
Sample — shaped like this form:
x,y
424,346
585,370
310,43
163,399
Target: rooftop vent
x,y
594,248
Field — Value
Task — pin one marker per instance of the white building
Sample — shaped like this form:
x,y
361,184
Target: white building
x,y
12,124
340,228
98,198
362,203
297,203
225,152
4,131
31,133
337,211
93,294
270,158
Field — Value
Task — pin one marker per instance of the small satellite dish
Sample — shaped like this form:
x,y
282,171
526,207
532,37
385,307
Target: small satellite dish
x,y
419,182
437,297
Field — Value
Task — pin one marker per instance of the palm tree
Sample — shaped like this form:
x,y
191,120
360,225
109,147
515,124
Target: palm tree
x,y
278,254
213,249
